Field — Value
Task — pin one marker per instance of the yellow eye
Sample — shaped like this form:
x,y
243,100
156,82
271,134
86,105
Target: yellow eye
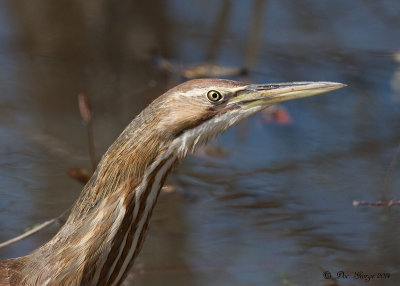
x,y
214,96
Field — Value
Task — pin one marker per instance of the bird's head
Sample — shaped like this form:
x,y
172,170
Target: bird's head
x,y
179,120
198,110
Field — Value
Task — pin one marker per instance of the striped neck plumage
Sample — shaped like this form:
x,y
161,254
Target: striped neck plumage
x,y
107,224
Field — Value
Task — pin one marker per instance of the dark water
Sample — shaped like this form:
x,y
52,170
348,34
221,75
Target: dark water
x,y
277,210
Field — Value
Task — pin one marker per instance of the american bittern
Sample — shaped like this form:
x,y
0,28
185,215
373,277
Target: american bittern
x,y
107,224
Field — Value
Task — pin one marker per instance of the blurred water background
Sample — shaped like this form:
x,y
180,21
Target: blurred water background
x,y
276,207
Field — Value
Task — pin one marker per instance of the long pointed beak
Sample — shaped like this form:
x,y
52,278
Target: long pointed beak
x,y
268,94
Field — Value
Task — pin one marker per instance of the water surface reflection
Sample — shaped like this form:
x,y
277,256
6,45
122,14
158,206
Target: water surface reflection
x,y
277,209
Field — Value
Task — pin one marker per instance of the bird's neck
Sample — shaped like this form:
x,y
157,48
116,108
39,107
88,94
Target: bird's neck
x,y
106,227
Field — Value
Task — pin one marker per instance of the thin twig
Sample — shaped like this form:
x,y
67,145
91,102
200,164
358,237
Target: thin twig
x,y
92,153
33,230
87,115
376,204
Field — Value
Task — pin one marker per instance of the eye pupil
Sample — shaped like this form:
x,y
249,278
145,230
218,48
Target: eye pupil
x,y
214,96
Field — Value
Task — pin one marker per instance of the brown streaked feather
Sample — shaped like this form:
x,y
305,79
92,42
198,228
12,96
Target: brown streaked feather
x,y
139,217
10,270
130,205
142,235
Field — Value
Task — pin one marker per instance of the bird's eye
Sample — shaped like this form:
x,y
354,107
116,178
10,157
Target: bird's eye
x,y
214,96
